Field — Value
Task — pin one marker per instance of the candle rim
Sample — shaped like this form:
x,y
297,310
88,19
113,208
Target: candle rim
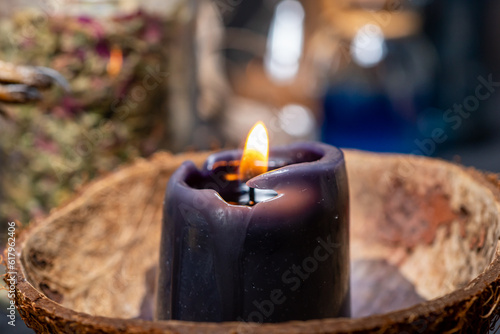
x,y
327,156
236,154
330,157
184,181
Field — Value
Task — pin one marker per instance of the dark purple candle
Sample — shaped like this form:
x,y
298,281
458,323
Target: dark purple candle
x,y
284,258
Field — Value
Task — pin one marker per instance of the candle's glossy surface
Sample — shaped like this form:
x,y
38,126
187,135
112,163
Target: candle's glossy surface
x,y
285,258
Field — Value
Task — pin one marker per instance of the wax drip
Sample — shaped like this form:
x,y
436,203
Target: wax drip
x,y
230,234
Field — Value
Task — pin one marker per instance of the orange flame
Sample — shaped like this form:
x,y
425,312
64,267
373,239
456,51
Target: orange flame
x,y
256,153
115,62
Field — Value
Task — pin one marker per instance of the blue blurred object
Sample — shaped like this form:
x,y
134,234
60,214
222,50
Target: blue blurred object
x,y
377,106
358,119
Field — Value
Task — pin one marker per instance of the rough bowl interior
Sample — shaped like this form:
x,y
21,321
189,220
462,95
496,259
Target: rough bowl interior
x,y
424,237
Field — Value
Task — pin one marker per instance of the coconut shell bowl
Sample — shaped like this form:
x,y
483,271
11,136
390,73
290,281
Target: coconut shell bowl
x,y
424,253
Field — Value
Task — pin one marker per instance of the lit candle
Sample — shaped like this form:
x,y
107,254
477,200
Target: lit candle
x,y
241,243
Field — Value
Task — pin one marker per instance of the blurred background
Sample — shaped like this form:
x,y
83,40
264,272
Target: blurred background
x,y
419,77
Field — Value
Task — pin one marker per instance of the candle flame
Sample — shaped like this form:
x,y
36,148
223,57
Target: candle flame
x,y
255,154
115,61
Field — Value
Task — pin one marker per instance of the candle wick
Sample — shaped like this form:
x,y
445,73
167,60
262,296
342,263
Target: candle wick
x,y
251,195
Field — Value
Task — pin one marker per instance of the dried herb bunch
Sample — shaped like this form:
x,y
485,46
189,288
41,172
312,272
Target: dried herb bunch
x,y
114,113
